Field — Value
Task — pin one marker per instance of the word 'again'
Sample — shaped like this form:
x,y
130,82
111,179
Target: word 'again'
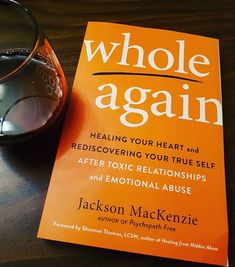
x,y
162,105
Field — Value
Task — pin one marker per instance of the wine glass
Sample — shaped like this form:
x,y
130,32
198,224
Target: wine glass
x,y
33,87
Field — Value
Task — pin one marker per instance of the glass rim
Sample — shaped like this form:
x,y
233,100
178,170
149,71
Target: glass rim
x,y
35,41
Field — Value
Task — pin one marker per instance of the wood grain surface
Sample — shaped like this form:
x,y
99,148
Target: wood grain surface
x,y
25,170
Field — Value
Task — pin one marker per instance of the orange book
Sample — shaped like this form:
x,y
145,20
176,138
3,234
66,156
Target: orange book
x,y
140,164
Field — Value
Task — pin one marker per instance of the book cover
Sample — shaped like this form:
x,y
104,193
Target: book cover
x,y
140,164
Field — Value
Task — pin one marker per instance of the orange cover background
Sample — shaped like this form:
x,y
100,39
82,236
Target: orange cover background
x,y
70,180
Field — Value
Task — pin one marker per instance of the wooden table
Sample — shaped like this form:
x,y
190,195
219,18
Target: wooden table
x,y
25,170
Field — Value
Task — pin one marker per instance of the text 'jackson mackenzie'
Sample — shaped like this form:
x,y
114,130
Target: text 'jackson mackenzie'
x,y
139,211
